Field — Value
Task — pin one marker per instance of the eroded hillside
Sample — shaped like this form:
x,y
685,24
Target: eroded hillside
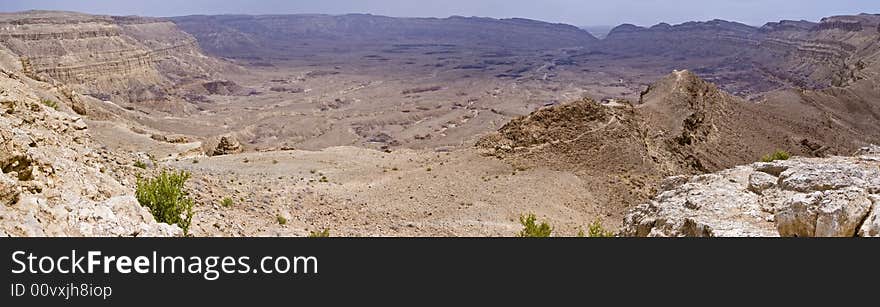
x,y
55,180
137,60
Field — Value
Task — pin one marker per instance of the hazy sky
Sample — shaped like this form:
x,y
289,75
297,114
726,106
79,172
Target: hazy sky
x,y
576,12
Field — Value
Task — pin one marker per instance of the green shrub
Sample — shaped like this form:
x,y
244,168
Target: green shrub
x,y
281,220
50,103
140,164
531,229
319,234
226,202
779,155
597,231
165,197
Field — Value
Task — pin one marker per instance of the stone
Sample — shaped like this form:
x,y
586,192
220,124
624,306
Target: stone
x,y
673,182
227,145
715,205
760,181
807,178
798,216
824,214
774,168
79,124
871,225
9,190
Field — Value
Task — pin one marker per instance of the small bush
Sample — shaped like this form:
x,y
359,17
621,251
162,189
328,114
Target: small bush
x,y
281,220
226,202
531,229
319,234
50,103
166,198
140,164
779,155
597,231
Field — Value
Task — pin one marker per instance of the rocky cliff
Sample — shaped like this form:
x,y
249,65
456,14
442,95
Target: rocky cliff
x,y
123,59
692,39
835,52
795,54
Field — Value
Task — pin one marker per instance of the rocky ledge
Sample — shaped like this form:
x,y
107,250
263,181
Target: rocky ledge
x,y
54,181
801,197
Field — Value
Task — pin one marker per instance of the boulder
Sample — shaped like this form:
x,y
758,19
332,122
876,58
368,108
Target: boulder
x,y
871,225
837,213
227,145
9,190
760,181
774,168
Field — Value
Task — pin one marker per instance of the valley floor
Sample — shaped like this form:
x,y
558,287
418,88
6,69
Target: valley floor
x,y
361,192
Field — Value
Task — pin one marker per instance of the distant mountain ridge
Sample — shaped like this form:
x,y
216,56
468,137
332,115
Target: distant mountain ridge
x,y
273,35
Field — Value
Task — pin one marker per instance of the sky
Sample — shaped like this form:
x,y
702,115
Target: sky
x,y
575,12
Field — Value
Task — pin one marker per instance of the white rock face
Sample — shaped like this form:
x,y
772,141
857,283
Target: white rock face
x,y
818,197
837,213
822,177
714,205
53,182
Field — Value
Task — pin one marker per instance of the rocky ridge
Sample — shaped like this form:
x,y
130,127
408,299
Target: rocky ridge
x,y
683,125
834,52
244,36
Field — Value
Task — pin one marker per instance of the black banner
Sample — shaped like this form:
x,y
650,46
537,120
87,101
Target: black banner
x,y
420,271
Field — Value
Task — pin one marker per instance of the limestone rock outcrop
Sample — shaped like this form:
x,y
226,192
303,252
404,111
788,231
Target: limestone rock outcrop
x,y
228,145
54,182
802,197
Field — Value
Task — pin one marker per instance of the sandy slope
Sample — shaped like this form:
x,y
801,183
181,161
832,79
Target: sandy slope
x,y
372,193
